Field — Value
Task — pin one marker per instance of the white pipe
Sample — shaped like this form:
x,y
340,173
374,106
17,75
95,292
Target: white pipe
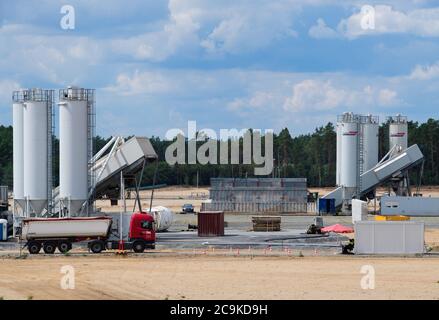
x,y
113,149
102,151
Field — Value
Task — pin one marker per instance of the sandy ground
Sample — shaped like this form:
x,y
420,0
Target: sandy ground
x,y
170,274
211,277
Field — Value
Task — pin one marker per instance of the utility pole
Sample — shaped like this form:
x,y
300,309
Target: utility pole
x,y
122,209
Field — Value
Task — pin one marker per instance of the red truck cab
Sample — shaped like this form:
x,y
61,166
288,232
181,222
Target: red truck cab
x,y
141,232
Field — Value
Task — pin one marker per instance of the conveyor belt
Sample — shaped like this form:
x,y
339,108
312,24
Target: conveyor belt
x,y
382,172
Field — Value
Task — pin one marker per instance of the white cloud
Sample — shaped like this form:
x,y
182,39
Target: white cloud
x,y
178,32
243,28
322,31
387,97
6,89
216,27
176,83
259,100
140,83
425,72
315,94
420,22
46,56
321,95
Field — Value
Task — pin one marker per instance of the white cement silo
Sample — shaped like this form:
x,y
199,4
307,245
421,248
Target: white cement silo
x,y
370,131
398,132
35,152
17,124
73,150
349,145
338,155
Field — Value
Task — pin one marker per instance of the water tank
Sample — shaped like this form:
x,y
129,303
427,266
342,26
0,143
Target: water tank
x,y
17,124
338,160
35,160
163,218
398,132
73,149
349,146
370,131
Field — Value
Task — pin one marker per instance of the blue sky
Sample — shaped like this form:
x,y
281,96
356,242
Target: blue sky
x,y
226,64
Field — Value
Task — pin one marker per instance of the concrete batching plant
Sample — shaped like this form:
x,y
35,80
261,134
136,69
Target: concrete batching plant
x,y
358,170
33,113
357,151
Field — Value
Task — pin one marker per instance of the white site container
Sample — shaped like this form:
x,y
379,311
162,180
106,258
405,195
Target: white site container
x,y
409,206
389,237
66,227
359,210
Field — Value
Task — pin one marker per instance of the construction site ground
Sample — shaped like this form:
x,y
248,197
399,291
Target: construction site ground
x,y
241,265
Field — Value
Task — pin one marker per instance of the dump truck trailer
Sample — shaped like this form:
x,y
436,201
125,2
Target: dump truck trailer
x,y
60,233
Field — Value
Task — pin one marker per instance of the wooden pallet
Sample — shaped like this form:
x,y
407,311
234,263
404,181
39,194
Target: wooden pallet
x,y
266,223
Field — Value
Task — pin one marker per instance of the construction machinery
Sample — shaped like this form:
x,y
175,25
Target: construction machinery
x,y
60,233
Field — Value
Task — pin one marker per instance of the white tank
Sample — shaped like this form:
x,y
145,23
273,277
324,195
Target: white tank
x,y
398,132
17,124
73,155
338,160
349,158
35,138
163,218
370,131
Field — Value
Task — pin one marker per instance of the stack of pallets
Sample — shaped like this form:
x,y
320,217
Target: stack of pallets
x,y
266,223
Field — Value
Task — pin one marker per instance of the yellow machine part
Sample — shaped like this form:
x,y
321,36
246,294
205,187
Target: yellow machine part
x,y
391,218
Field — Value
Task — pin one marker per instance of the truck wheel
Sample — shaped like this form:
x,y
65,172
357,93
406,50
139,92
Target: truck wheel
x,y
34,247
49,247
138,247
64,246
96,246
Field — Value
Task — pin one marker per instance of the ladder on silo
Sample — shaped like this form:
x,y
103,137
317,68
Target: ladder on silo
x,y
91,133
49,97
360,159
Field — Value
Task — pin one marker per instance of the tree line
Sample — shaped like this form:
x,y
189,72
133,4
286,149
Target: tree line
x,y
310,155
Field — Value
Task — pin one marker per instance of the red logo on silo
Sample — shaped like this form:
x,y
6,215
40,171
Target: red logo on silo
x,y
398,135
350,133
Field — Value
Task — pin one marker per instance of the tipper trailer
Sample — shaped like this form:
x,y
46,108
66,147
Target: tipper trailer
x,y
61,233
